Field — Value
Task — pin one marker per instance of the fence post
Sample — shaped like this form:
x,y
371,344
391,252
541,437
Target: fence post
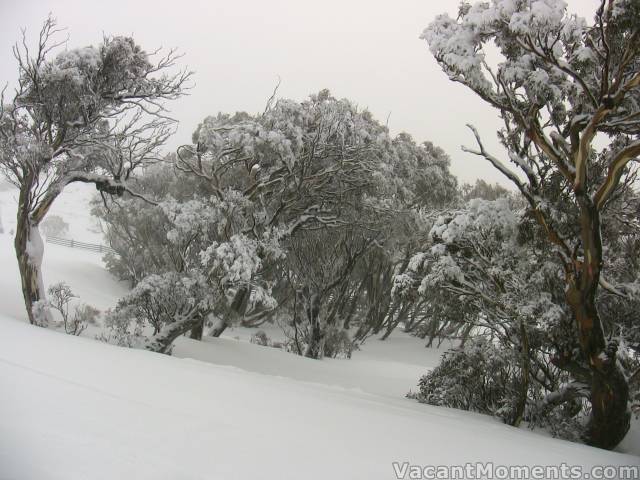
x,y
72,243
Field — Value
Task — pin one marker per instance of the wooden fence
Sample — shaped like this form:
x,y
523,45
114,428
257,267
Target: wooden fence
x,y
92,247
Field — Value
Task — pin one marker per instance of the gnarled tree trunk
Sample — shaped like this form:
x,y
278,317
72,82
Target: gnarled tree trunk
x,y
29,248
238,307
610,414
162,342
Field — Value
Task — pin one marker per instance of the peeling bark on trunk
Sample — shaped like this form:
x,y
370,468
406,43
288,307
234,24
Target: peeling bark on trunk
x,y
29,247
610,414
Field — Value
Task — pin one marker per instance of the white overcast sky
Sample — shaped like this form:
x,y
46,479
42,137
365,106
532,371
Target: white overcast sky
x,y
364,50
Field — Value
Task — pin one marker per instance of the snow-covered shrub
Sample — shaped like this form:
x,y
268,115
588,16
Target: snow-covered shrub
x,y
120,329
566,421
260,338
170,304
60,298
489,378
54,226
40,313
479,377
86,314
334,341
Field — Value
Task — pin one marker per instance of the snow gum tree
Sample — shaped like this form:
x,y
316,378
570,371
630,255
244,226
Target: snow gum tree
x,y
413,182
563,88
199,258
282,211
93,115
299,167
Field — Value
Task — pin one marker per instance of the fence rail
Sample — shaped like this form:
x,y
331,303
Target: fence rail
x,y
92,247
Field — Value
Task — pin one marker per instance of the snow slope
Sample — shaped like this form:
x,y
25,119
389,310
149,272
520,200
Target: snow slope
x,y
367,371
73,408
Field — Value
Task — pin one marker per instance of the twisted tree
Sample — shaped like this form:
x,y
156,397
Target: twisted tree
x,y
559,86
92,115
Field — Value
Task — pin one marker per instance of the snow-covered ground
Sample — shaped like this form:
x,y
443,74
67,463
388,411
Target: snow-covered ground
x,y
390,368
75,408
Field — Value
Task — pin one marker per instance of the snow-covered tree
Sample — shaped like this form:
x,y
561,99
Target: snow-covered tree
x,y
482,189
170,304
320,267
60,298
561,83
136,230
415,182
299,167
197,243
504,286
307,189
92,115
